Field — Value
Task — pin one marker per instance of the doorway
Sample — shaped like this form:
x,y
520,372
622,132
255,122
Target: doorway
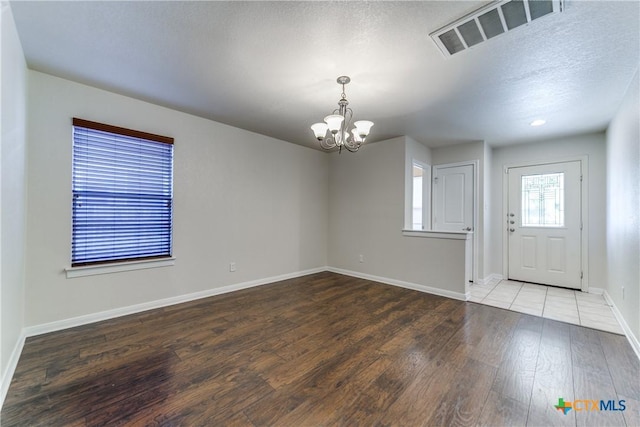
x,y
453,196
544,224
454,202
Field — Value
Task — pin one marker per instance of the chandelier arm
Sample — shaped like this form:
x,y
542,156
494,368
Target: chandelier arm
x,y
353,144
348,117
352,149
347,113
328,143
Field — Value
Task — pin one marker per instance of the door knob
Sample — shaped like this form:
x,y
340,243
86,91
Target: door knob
x,y
512,222
512,214
466,229
512,230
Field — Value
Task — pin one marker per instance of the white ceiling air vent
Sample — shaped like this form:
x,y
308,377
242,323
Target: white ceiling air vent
x,y
490,21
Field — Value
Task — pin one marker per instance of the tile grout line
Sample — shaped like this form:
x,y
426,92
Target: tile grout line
x,y
578,308
516,296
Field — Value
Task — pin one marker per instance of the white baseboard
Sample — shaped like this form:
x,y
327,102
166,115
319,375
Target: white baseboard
x,y
5,382
492,278
595,291
138,308
633,340
408,285
58,325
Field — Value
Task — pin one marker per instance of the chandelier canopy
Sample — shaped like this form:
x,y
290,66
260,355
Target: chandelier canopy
x,y
338,124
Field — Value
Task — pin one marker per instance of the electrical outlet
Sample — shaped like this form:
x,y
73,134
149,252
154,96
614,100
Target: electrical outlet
x,y
232,266
361,258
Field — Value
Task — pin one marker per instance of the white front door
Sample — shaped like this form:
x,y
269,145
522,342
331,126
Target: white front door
x,y
453,198
544,224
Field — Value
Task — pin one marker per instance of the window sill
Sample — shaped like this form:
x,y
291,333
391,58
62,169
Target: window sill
x,y
452,235
91,270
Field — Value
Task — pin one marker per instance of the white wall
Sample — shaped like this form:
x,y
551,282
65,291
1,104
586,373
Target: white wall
x,y
239,196
591,145
623,208
13,190
366,211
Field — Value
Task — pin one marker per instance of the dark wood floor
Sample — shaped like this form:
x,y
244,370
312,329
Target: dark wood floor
x,y
324,349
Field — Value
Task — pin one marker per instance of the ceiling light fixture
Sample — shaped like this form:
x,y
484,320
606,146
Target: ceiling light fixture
x,y
338,123
538,122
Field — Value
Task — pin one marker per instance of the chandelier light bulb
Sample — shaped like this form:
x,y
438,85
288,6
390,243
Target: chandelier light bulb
x,y
356,137
363,127
334,122
319,130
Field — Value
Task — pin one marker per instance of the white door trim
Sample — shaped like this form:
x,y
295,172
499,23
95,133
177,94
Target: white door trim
x,y
584,187
476,189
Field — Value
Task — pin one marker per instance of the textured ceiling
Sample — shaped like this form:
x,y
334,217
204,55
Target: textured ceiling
x,y
270,67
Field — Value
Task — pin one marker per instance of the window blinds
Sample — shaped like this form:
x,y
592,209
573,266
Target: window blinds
x,y
122,194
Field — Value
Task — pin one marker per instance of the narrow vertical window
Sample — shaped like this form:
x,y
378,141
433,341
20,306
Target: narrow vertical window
x,y
122,183
417,198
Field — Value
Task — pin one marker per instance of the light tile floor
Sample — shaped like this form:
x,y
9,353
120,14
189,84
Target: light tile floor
x,y
569,306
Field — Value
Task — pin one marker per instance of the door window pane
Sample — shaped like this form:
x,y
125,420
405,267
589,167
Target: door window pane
x,y
543,200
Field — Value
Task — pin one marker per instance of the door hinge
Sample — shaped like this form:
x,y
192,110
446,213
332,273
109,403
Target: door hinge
x,y
581,226
580,177
435,179
581,275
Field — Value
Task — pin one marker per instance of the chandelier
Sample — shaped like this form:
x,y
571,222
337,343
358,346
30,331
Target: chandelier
x,y
338,124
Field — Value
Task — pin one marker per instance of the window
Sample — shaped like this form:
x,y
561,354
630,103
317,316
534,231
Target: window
x,y
420,195
122,183
417,217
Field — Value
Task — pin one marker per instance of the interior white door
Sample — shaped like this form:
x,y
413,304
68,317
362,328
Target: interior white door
x,y
544,222
453,198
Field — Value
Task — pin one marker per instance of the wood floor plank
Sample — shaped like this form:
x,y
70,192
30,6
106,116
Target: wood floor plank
x,y
592,379
375,399
324,349
632,413
303,405
499,410
622,363
468,392
330,399
553,378
515,375
492,347
419,401
475,325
